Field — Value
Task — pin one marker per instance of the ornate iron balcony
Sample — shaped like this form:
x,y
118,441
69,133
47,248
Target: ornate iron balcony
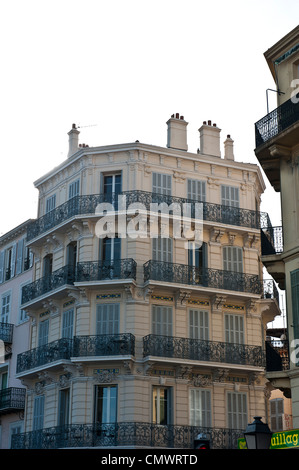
x,y
131,434
271,240
101,270
275,122
203,277
277,356
86,205
6,332
46,354
11,399
203,350
104,345
270,290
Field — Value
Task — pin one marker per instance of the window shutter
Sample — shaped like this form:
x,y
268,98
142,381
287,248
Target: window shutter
x,y
161,320
2,253
20,251
198,324
67,324
162,249
161,183
295,301
38,412
43,333
196,190
233,259
107,319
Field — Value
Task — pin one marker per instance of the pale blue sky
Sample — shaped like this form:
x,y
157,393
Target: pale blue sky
x,y
122,68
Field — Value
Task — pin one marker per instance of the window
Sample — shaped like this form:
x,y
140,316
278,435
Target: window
x,y
237,410
234,329
161,405
38,412
276,414
43,333
15,428
47,265
162,249
71,254
200,407
107,319
106,404
10,262
5,307
295,301
50,203
197,190
162,184
230,196
233,259
197,255
22,313
110,249
67,323
198,324
161,320
63,407
3,378
74,189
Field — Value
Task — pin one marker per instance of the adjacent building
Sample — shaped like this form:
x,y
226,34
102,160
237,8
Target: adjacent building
x,y
146,327
16,263
277,149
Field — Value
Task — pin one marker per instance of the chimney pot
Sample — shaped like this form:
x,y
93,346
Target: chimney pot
x,y
209,123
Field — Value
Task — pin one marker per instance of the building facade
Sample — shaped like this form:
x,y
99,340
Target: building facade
x,y
16,264
146,327
277,149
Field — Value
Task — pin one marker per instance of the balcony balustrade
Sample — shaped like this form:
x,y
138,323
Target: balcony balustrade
x,y
12,399
276,122
87,205
60,277
277,356
203,350
101,270
78,346
104,345
271,240
125,434
202,277
270,290
6,332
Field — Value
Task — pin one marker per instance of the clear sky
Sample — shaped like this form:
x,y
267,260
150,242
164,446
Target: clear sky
x,y
119,69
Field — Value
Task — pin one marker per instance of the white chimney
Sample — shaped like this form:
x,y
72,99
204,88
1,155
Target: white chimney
x,y
73,140
209,135
229,148
177,132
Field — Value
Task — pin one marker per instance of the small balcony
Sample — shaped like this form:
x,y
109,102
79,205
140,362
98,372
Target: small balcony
x,y
6,332
202,277
104,345
272,240
12,399
125,434
79,346
203,350
277,356
49,353
87,205
92,271
57,279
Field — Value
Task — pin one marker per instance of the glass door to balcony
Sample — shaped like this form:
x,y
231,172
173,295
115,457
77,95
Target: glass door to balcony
x,y
197,261
112,187
105,415
110,252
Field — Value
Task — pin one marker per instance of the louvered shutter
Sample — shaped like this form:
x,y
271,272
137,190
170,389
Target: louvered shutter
x,y
107,319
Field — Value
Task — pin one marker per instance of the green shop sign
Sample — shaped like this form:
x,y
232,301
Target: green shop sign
x,y
279,440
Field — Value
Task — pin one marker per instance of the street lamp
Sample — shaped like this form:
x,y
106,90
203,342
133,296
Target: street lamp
x,y
258,434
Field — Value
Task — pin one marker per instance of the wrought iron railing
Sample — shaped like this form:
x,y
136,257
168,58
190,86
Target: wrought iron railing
x,y
104,345
78,346
271,240
203,350
277,356
46,354
87,205
12,398
101,270
204,277
123,434
6,332
276,121
270,290
58,278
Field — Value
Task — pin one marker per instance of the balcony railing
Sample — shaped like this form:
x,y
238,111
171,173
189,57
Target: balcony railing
x,y
270,290
46,354
276,121
6,332
271,240
203,350
78,346
11,399
125,434
204,277
87,205
101,270
277,356
58,278
104,345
